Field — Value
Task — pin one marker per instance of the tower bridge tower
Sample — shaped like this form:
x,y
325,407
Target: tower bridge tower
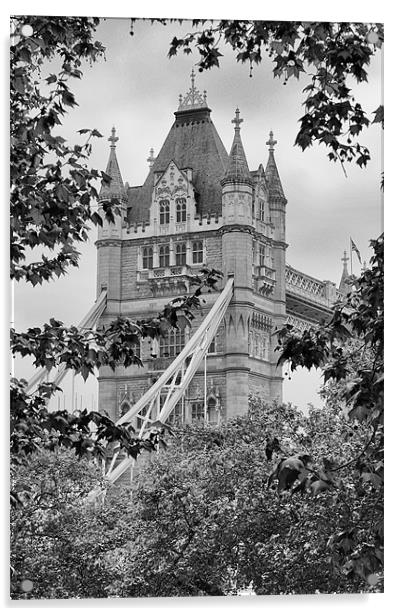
x,y
199,206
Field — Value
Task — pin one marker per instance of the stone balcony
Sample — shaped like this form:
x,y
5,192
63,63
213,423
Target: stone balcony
x,y
264,279
172,278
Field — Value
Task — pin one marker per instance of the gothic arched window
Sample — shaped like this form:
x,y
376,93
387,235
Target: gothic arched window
x,y
262,254
212,415
262,209
164,212
147,257
176,417
197,412
172,343
180,254
125,407
180,209
197,251
213,347
164,255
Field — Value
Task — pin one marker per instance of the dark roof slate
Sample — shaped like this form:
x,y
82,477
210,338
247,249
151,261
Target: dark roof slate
x,y
116,186
192,142
273,180
237,169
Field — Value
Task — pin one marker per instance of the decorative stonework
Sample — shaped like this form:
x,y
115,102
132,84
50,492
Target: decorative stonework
x,y
177,204
193,99
261,322
126,399
298,324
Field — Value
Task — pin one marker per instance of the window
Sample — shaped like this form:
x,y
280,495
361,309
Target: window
x,y
262,209
164,212
180,254
197,252
212,348
147,257
263,347
172,343
212,415
180,209
176,416
262,254
124,408
164,255
198,412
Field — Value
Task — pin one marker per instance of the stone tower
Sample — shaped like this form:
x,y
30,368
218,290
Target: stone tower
x,y
198,207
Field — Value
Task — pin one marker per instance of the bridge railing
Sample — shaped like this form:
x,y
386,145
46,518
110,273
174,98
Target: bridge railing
x,y
323,292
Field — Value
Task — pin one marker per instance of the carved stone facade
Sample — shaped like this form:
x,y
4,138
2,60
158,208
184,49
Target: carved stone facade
x,y
200,207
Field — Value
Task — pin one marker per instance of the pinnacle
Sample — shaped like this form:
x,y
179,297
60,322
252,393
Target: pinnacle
x,y
237,169
116,185
271,172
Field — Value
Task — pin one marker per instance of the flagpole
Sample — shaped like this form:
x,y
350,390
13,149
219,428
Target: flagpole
x,y
351,258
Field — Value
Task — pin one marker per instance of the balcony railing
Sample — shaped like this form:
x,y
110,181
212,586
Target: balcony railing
x,y
321,292
161,273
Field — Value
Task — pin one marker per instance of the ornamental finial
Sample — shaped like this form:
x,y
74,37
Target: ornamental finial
x,y
192,99
113,138
345,258
151,158
236,120
271,141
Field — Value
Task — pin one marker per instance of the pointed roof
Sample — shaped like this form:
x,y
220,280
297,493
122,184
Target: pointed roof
x,y
192,142
116,186
237,169
345,281
271,171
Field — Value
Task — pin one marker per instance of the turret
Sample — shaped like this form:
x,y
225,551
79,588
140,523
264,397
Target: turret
x,y
276,197
110,234
237,184
345,281
114,190
237,195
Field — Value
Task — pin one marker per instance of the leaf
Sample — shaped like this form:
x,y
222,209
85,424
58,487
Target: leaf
x,y
379,115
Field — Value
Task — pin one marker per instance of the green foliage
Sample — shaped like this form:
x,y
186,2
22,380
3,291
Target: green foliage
x,y
331,54
33,427
359,319
205,518
85,351
53,200
49,530
53,191
349,350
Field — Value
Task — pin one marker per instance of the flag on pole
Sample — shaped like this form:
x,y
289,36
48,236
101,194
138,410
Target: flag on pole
x,y
355,249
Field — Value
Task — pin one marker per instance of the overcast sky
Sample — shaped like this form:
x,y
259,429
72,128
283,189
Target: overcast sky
x,y
137,88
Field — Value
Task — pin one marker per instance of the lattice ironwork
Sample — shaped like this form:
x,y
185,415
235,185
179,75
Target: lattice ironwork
x,y
304,283
88,322
161,399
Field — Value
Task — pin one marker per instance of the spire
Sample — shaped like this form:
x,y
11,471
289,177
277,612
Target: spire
x,y
193,98
151,158
116,186
345,286
271,171
237,169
